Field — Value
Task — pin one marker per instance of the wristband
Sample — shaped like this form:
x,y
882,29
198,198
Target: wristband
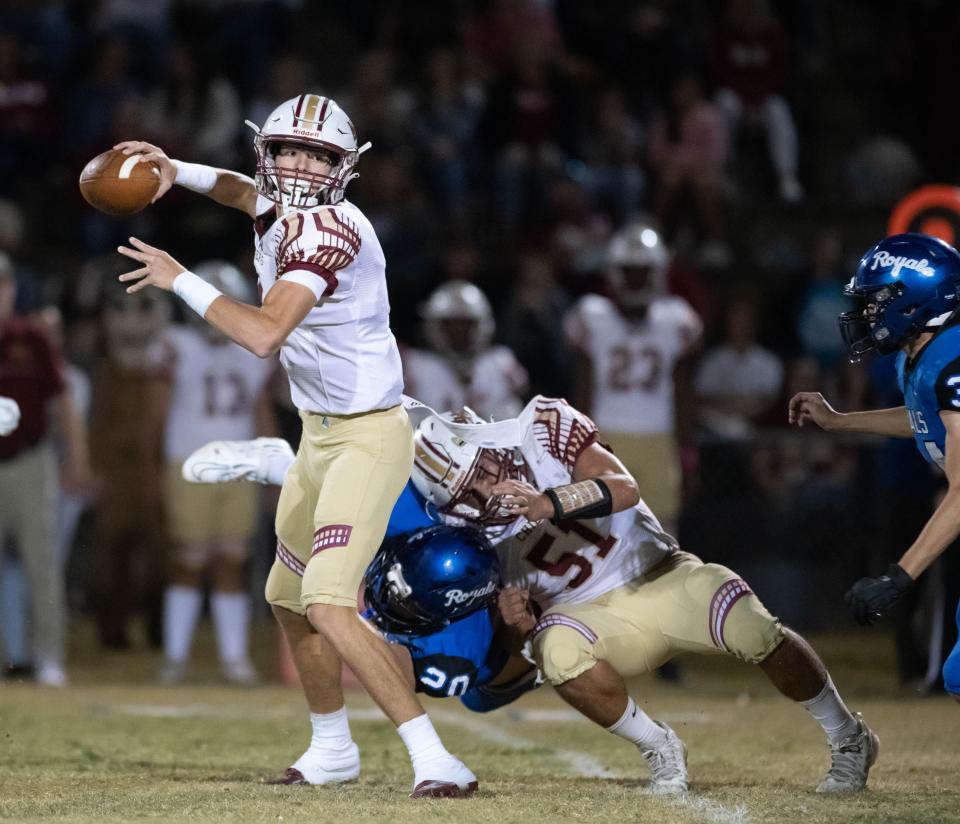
x,y
585,499
195,292
195,176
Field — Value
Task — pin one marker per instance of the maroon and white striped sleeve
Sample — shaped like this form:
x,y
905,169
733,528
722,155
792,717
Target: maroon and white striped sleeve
x,y
315,247
562,430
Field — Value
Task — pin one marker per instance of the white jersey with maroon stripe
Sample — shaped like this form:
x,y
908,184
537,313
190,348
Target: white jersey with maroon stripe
x,y
581,560
213,387
632,361
496,381
342,359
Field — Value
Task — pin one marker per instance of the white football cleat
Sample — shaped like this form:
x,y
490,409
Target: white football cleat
x,y
850,761
323,767
50,674
218,462
445,777
240,672
668,764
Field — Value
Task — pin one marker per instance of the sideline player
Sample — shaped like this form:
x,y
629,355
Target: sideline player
x,y
322,275
208,386
909,287
629,348
463,367
619,597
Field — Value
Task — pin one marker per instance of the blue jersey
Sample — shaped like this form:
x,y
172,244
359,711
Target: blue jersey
x,y
456,658
930,384
409,512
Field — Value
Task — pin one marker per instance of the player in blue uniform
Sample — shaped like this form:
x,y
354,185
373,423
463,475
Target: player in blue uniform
x,y
433,593
909,285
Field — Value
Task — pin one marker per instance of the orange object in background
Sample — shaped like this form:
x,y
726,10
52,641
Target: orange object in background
x,y
932,210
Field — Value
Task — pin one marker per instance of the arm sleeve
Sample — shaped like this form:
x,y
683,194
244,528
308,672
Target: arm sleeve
x,y
316,248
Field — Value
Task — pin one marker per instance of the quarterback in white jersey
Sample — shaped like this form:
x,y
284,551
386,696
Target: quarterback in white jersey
x,y
324,309
628,350
463,368
614,594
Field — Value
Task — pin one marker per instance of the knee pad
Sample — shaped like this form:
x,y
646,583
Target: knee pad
x,y
564,647
739,623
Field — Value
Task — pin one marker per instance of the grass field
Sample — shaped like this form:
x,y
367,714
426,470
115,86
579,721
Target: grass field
x,y
113,747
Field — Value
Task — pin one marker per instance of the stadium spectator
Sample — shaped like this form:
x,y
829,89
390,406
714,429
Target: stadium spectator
x,y
751,60
738,380
31,373
532,324
688,150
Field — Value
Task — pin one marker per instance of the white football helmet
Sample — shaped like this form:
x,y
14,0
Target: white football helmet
x,y
445,467
313,121
458,319
637,261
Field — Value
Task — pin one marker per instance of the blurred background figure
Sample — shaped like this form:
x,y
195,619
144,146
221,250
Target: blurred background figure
x,y
738,380
464,367
750,66
31,373
533,324
125,568
209,389
627,349
688,149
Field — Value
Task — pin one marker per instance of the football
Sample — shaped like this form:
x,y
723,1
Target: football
x,y
119,184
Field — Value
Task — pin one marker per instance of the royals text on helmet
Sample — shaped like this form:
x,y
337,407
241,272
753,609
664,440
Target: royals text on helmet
x,y
907,284
313,122
419,582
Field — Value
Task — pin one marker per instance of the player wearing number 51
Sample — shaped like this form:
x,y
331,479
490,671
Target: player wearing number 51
x,y
613,593
909,287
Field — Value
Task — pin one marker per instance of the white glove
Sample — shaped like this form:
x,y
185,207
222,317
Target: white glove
x,y
9,415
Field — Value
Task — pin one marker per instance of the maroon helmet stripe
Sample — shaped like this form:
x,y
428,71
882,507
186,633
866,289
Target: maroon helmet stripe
x,y
296,112
440,454
323,112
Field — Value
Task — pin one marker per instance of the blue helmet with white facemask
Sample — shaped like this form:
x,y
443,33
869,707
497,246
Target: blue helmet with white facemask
x,y
421,581
908,284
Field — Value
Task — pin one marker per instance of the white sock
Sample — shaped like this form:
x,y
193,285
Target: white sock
x,y
181,610
831,713
276,466
231,620
638,727
331,730
422,740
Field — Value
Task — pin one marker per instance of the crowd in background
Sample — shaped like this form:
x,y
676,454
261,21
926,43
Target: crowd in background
x,y
512,139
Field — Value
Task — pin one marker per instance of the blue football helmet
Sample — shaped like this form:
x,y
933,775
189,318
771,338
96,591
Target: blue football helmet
x,y
908,284
421,581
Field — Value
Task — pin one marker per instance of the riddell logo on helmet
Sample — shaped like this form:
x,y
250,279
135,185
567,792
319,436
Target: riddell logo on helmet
x,y
459,597
886,259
